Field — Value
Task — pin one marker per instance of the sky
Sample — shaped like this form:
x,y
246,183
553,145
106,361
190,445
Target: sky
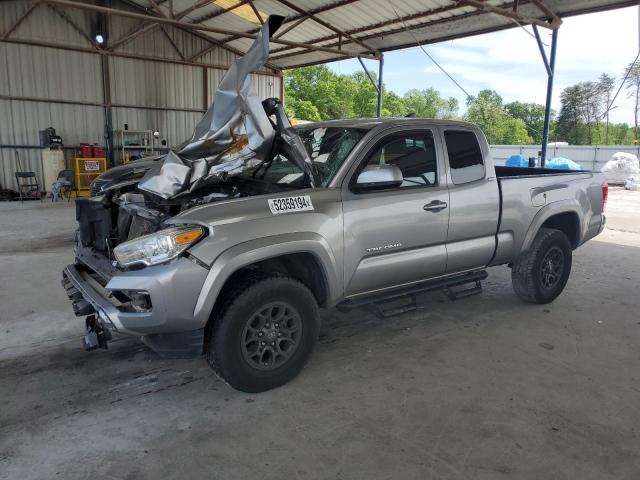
x,y
510,63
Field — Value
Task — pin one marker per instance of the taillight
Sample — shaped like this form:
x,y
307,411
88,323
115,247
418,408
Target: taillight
x,y
605,194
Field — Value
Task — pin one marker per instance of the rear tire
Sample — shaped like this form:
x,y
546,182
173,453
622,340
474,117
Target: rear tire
x,y
264,335
540,274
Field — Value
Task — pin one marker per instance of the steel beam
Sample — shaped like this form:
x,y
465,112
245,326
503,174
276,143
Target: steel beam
x,y
256,12
481,5
146,26
20,19
73,25
402,29
75,48
18,98
209,16
547,106
52,100
327,25
366,70
385,23
543,54
172,42
222,31
294,18
108,116
131,35
546,9
290,27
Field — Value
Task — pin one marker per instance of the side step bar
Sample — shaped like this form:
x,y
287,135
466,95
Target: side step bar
x,y
446,284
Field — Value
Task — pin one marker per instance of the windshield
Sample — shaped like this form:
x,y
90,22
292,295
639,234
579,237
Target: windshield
x,y
328,148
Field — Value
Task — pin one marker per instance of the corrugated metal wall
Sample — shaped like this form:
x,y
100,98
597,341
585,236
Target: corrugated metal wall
x,y
591,157
145,94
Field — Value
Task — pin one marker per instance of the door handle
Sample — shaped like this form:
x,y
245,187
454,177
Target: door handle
x,y
435,206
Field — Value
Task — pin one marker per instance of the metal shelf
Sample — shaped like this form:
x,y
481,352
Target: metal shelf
x,y
145,137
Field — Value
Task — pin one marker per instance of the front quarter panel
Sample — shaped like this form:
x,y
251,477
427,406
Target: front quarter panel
x,y
245,230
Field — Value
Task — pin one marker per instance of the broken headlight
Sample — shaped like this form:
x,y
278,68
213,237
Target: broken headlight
x,y
159,247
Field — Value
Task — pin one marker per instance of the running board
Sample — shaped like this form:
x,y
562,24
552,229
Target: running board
x,y
447,285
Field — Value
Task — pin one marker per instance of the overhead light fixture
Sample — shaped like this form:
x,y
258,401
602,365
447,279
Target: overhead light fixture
x,y
99,39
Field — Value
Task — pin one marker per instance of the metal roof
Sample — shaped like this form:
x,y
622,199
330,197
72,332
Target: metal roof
x,y
319,31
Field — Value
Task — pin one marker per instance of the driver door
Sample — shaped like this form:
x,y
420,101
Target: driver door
x,y
395,237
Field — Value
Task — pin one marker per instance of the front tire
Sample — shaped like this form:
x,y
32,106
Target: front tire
x,y
540,274
264,335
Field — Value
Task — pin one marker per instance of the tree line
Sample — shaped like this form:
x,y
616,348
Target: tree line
x,y
318,93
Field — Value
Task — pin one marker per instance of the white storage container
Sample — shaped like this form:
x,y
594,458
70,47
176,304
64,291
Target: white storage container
x,y
52,163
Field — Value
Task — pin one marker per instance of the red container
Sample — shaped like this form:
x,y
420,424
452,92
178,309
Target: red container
x,y
98,151
86,151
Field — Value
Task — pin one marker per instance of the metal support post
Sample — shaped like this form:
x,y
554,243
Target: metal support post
x,y
550,76
379,106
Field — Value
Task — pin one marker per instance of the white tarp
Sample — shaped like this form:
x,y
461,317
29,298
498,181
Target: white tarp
x,y
620,167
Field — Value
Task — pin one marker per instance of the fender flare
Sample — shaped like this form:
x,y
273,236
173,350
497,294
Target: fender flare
x,y
238,256
548,211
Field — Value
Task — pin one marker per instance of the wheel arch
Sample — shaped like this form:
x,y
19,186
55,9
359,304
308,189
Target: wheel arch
x,y
307,257
564,216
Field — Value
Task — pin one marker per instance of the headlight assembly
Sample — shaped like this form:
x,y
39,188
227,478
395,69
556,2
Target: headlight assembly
x,y
159,247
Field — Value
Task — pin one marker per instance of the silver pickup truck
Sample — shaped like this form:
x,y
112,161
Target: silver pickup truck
x,y
238,270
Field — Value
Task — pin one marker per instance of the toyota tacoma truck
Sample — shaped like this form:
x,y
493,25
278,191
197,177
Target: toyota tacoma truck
x,y
238,269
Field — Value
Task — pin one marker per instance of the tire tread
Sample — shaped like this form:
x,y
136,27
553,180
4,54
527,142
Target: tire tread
x,y
522,271
257,284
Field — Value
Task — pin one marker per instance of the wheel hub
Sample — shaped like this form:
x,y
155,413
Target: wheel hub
x,y
552,267
271,336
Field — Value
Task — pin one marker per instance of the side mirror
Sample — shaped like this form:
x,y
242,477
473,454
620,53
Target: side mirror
x,y
379,177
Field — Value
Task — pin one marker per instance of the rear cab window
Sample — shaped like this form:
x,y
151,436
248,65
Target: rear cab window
x,y
465,156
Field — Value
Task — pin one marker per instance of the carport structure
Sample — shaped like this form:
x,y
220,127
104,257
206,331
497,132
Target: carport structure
x,y
321,31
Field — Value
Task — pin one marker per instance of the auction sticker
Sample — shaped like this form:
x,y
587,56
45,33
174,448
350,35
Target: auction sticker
x,y
301,203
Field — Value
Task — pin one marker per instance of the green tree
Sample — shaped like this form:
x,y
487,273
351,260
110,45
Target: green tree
x,y
393,105
606,84
365,96
318,93
571,125
488,112
532,114
632,84
303,110
429,104
331,94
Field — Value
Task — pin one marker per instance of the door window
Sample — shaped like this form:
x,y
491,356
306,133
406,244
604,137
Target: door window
x,y
413,154
465,156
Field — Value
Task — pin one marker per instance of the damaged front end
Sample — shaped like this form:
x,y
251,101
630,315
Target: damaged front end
x,y
237,136
125,226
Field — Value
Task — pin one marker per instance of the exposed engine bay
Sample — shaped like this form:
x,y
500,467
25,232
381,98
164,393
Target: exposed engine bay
x,y
120,210
238,143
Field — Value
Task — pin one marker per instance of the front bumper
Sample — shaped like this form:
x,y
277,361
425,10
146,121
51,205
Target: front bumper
x,y
173,288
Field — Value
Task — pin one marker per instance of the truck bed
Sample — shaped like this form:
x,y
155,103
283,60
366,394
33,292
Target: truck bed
x,y
524,192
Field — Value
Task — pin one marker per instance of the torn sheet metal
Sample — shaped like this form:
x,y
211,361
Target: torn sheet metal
x,y
298,153
234,132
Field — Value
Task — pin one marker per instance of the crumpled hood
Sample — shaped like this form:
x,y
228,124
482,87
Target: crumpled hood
x,y
234,133
134,170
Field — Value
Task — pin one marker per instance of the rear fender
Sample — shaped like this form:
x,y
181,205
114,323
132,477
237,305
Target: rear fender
x,y
548,211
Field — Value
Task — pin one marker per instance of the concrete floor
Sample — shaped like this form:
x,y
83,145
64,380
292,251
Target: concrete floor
x,y
487,387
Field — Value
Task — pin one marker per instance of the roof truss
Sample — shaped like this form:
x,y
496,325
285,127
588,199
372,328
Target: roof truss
x,y
325,33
